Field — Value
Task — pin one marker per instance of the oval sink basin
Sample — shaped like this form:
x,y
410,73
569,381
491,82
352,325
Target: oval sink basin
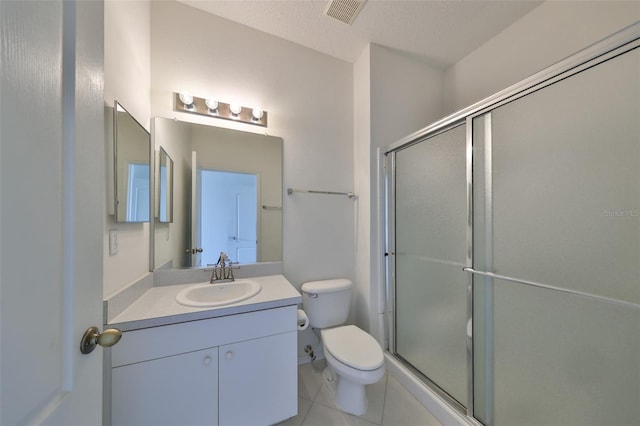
x,y
207,295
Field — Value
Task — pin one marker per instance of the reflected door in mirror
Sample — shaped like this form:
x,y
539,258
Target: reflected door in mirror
x,y
228,215
132,147
137,206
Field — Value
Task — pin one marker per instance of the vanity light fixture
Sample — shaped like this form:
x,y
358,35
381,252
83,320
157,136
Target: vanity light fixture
x,y
211,107
212,104
235,110
257,114
187,99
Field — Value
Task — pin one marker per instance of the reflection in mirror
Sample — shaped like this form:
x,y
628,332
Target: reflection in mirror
x,y
131,159
227,196
231,229
164,177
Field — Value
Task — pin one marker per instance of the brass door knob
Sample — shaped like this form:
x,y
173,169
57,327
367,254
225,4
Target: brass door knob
x,y
92,337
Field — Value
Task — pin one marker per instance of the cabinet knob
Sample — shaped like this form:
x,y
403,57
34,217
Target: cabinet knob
x,y
207,360
229,355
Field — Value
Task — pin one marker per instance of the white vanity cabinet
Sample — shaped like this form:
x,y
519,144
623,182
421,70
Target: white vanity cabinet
x,y
176,390
255,380
232,370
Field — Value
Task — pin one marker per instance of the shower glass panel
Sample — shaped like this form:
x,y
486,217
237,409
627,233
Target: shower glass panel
x,y
562,359
430,252
557,214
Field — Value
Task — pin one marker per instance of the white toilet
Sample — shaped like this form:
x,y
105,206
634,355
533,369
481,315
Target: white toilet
x,y
353,356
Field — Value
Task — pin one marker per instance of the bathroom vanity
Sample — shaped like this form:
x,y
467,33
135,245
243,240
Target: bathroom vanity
x,y
230,365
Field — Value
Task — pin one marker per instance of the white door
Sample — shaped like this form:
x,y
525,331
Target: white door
x,y
52,210
227,215
246,242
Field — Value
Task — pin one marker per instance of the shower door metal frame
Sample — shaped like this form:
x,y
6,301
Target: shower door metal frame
x,y
617,44
390,250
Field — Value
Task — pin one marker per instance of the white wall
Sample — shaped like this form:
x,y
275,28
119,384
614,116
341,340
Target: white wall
x,y
308,97
406,95
395,95
362,154
127,80
546,35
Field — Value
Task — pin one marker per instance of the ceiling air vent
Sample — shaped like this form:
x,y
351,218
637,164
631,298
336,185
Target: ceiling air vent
x,y
344,11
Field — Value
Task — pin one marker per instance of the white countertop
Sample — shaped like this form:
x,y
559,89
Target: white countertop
x,y
158,306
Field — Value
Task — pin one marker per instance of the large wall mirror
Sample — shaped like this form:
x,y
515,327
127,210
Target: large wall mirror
x,y
227,196
132,145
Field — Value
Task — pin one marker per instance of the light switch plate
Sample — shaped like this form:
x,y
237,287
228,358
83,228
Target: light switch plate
x,y
113,242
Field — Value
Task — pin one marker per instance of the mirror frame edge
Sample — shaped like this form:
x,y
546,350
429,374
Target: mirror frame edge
x,y
152,195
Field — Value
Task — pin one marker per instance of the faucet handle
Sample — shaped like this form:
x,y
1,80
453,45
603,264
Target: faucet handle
x,y
222,260
231,267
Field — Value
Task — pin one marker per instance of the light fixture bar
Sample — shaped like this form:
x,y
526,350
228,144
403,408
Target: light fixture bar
x,y
223,110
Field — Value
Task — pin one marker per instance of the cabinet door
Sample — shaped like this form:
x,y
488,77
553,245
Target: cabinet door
x,y
176,390
258,380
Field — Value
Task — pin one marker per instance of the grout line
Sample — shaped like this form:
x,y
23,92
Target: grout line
x,y
315,396
307,414
384,398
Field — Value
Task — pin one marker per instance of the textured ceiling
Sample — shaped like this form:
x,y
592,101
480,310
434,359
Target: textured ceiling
x,y
440,31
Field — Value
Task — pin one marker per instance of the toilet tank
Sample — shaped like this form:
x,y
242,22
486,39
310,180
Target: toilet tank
x,y
327,302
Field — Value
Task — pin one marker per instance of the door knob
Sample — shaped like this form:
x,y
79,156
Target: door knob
x,y
194,250
92,337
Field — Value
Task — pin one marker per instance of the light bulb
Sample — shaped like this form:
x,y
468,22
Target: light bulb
x,y
212,104
257,113
186,98
235,109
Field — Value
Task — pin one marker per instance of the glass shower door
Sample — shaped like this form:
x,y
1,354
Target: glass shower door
x,y
430,209
557,251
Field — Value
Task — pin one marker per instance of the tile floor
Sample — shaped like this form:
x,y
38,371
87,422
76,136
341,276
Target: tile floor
x,y
389,404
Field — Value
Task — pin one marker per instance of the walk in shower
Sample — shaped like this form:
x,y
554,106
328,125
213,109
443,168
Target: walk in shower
x,y
514,243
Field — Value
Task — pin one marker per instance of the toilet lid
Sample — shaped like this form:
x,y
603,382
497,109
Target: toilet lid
x,y
353,347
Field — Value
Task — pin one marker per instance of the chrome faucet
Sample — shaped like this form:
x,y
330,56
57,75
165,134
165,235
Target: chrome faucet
x,y
223,270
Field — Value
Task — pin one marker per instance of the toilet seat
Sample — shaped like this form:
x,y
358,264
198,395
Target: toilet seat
x,y
353,347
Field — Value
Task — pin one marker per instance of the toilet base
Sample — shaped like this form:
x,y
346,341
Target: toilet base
x,y
349,397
